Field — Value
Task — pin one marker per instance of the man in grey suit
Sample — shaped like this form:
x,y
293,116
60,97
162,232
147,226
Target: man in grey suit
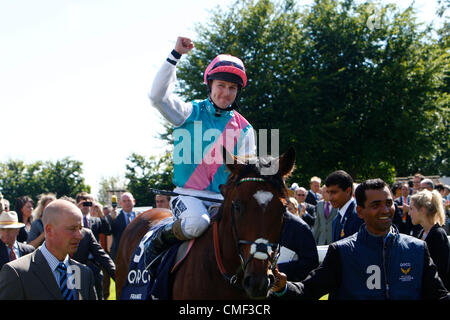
x,y
323,225
37,276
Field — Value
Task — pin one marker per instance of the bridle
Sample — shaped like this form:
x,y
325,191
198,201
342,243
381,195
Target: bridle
x,y
260,249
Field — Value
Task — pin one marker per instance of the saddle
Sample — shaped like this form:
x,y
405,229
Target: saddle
x,y
185,247
139,284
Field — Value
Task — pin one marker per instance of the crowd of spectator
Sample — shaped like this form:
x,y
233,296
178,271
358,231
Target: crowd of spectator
x,y
420,210
94,240
315,208
322,214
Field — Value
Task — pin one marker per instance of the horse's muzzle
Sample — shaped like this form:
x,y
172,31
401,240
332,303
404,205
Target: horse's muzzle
x,y
257,286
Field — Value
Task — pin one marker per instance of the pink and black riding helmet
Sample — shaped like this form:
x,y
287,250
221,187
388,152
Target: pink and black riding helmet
x,y
227,68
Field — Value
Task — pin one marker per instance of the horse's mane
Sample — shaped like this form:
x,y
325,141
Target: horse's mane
x,y
253,167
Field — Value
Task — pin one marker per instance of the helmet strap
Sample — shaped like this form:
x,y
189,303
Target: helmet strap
x,y
219,110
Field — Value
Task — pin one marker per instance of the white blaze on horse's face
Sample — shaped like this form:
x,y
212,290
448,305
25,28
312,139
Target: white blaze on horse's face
x,y
263,198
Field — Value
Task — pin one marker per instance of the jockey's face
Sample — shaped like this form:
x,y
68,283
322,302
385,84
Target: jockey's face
x,y
223,93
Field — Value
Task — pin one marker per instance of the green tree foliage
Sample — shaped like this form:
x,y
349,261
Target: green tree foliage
x,y
63,177
143,174
371,99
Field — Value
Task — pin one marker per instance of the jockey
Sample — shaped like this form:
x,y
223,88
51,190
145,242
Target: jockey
x,y
202,127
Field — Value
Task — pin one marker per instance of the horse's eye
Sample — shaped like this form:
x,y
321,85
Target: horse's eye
x,y
237,206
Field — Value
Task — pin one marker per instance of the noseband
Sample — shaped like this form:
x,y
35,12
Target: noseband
x,y
260,249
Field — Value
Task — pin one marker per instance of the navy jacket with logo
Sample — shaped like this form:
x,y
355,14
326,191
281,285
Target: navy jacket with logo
x,y
367,267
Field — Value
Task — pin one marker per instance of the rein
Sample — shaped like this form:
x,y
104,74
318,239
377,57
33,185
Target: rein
x,y
260,249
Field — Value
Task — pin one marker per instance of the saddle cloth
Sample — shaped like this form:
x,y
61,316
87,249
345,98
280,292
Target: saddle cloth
x,y
139,285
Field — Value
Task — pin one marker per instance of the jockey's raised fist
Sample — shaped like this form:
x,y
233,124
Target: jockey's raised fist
x,y
184,45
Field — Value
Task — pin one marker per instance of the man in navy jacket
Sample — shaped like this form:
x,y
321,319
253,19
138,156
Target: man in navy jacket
x,y
376,263
340,189
297,237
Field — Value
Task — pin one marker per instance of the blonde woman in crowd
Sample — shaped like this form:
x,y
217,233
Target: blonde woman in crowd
x,y
36,236
427,210
293,206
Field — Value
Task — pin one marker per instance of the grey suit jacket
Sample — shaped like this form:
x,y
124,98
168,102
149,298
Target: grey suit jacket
x,y
323,228
30,278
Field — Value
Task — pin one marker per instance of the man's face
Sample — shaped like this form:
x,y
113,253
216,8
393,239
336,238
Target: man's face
x,y
416,182
127,203
84,209
223,93
405,190
106,211
300,195
339,197
162,202
66,231
378,211
325,194
9,235
315,186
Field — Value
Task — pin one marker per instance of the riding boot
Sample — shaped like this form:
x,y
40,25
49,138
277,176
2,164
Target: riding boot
x,y
160,241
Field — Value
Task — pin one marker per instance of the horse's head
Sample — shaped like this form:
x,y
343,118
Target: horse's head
x,y
254,206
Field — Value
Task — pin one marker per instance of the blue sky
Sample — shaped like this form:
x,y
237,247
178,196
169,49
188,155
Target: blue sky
x,y
74,76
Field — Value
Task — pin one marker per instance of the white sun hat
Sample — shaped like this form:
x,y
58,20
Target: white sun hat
x,y
9,220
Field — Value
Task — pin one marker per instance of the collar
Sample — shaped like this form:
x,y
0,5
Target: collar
x,y
212,110
51,259
425,235
375,240
343,210
15,246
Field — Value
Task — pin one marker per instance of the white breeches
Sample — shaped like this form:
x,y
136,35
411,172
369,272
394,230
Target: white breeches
x,y
193,214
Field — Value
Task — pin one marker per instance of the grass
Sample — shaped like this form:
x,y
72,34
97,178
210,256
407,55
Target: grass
x,y
112,290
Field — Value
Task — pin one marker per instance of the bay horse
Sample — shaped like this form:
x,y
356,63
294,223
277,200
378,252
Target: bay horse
x,y
235,256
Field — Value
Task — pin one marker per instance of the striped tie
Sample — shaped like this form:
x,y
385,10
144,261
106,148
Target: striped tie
x,y
12,254
67,293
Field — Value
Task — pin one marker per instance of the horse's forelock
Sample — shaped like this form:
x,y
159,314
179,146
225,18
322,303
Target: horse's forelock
x,y
254,167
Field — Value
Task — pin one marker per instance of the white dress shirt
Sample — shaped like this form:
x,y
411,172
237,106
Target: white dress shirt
x,y
342,210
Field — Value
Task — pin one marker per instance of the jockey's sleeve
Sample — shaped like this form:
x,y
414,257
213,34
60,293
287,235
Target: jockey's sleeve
x,y
162,95
247,145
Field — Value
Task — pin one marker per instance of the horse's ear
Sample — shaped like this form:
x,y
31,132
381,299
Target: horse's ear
x,y
287,162
230,161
